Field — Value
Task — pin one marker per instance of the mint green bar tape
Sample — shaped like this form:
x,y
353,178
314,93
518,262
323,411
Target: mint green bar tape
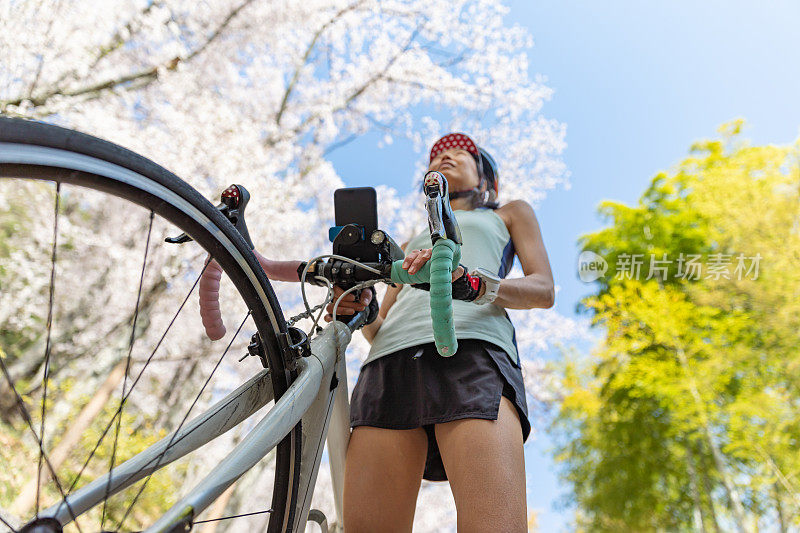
x,y
439,273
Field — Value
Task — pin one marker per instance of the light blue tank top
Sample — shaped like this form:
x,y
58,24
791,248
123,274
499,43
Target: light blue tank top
x,y
486,244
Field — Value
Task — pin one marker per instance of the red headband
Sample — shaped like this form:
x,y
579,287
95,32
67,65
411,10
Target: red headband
x,y
454,140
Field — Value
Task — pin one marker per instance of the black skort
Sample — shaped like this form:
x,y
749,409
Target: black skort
x,y
416,387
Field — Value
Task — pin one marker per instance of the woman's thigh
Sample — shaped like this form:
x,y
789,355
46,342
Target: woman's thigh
x,y
383,473
486,468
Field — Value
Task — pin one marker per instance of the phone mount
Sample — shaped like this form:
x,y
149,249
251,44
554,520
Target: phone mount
x,y
352,241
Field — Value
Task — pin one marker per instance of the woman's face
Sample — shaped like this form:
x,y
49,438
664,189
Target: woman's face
x,y
459,167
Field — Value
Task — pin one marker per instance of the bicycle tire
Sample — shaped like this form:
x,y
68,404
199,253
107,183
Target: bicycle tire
x,y
197,217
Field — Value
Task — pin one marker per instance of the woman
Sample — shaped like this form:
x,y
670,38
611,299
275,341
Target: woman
x,y
417,415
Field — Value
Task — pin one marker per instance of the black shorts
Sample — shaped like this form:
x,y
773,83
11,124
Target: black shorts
x,y
398,391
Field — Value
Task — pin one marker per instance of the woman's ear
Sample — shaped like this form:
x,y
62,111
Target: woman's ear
x,y
483,192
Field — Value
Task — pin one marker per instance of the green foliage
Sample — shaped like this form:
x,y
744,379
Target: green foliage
x,y
19,332
690,405
136,433
92,316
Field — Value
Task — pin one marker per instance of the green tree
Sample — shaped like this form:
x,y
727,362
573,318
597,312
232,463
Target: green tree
x,y
686,416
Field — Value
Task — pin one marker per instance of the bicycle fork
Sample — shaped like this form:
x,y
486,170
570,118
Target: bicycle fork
x,y
328,418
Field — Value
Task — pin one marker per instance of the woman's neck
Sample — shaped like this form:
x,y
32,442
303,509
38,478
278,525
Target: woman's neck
x,y
461,204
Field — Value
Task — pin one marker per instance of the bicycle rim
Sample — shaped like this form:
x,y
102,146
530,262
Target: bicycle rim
x,y
73,167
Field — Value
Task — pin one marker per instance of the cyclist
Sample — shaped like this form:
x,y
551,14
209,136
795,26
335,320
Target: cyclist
x,y
417,415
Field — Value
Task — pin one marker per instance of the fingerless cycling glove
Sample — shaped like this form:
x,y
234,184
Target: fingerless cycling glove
x,y
465,287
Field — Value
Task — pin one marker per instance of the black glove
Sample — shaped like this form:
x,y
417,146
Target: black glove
x,y
372,308
310,275
465,287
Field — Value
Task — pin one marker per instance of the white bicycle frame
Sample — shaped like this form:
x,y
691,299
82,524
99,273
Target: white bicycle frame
x,y
312,398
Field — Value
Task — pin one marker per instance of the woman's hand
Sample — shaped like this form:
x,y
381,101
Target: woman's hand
x,y
416,259
348,305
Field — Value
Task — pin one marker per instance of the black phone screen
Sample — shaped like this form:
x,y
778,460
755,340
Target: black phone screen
x,y
357,205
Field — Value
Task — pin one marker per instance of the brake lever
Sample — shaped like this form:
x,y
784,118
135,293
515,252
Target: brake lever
x,y
441,220
233,202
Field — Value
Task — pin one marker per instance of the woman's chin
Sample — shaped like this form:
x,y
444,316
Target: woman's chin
x,y
454,180
447,173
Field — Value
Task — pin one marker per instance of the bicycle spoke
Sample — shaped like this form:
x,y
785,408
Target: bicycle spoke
x,y
9,526
127,370
135,381
183,421
29,421
160,340
231,517
98,328
47,344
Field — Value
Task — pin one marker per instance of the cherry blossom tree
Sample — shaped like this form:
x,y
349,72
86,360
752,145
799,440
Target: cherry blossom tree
x,y
261,93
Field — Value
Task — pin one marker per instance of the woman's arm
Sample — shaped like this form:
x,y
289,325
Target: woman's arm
x,y
209,289
349,306
279,270
536,288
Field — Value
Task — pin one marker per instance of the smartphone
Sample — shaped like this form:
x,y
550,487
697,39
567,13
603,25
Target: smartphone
x,y
357,205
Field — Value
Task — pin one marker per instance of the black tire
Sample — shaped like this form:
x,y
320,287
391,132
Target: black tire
x,y
244,270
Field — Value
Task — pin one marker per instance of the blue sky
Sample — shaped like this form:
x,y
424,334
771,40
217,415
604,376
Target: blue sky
x,y
636,83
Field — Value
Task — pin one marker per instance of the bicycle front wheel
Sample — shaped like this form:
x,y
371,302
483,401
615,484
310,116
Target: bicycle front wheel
x,y
63,274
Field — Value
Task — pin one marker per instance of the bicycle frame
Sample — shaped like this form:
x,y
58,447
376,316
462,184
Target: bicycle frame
x,y
312,398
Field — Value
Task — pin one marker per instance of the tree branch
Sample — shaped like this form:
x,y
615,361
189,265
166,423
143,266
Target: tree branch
x,y
334,146
115,43
217,32
353,97
142,78
306,55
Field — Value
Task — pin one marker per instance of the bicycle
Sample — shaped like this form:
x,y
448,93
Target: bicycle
x,y
301,375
